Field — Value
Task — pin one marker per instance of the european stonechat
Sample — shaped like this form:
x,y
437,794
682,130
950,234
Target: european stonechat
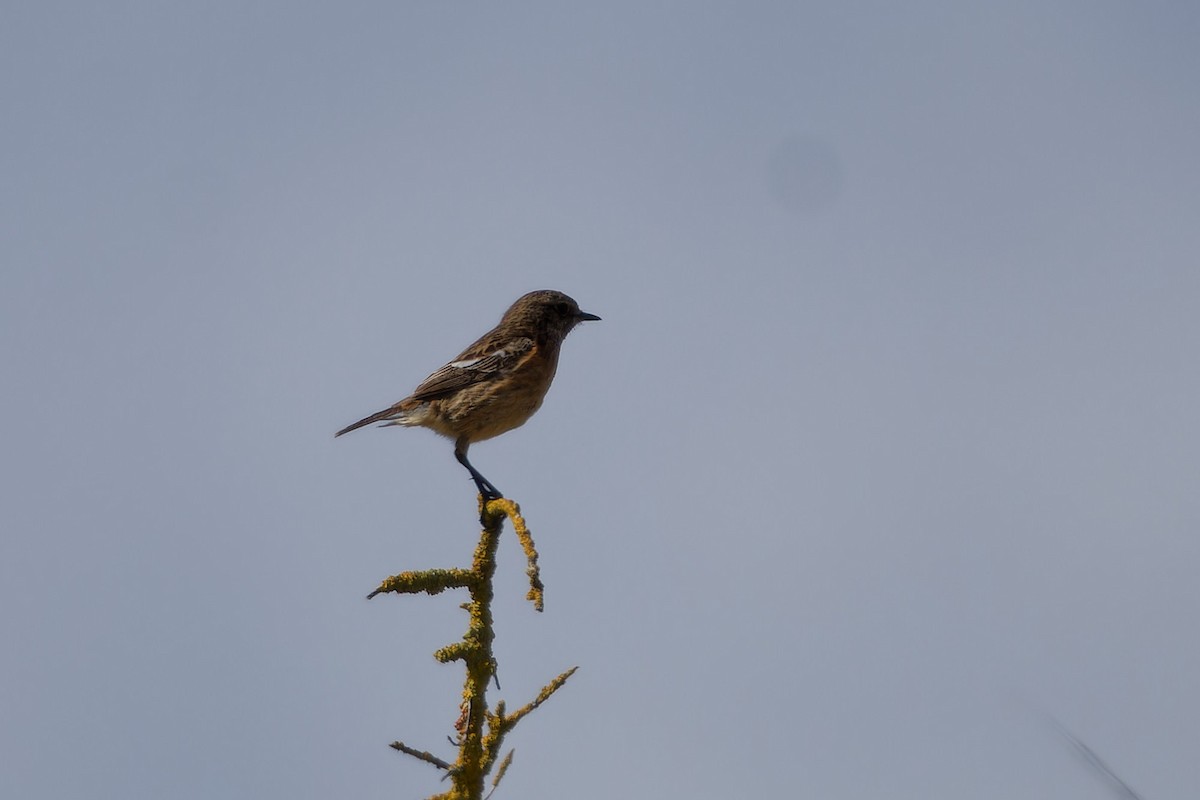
x,y
494,385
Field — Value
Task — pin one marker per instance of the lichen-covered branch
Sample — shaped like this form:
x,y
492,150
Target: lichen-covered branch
x,y
544,695
430,581
480,732
503,768
500,723
513,512
423,755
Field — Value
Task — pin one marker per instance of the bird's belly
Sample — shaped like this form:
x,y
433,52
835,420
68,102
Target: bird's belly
x,y
500,413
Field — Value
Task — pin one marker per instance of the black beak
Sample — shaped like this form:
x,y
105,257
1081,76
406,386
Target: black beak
x,y
583,316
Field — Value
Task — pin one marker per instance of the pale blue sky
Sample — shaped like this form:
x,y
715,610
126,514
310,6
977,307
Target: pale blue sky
x,y
886,449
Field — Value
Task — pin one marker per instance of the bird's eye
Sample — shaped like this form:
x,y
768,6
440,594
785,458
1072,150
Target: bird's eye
x,y
563,309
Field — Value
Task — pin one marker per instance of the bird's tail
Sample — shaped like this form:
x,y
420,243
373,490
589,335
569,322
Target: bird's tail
x,y
379,416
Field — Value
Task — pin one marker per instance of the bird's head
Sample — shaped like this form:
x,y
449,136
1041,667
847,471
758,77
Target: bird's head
x,y
550,313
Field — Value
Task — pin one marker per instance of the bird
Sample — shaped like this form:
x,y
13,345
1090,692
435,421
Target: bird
x,y
494,385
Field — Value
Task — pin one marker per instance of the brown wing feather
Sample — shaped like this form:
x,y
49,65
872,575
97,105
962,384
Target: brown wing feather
x,y
473,366
488,358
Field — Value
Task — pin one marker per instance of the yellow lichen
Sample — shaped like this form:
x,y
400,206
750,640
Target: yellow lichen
x,y
480,732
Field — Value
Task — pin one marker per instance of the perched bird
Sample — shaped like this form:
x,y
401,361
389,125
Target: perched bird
x,y
494,385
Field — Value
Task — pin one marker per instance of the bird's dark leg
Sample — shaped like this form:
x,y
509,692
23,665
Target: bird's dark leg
x,y
485,486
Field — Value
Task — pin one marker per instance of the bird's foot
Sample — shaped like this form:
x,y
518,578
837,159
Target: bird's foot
x,y
487,493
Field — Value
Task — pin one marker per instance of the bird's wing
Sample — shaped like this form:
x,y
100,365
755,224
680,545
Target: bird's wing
x,y
476,364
